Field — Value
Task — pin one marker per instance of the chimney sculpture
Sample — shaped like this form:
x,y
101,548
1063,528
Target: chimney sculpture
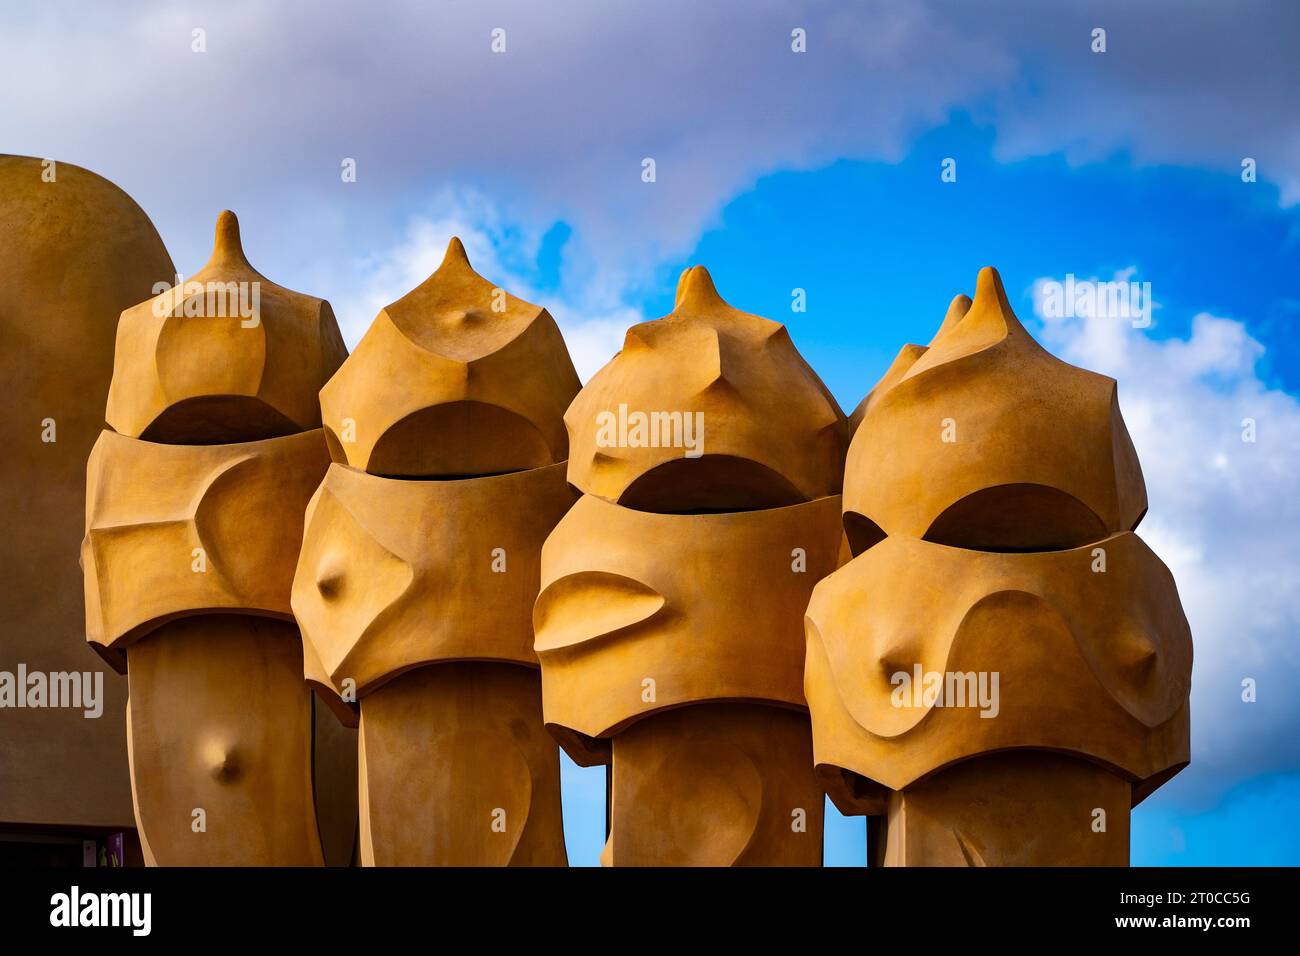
x,y
194,511
669,623
1002,670
419,568
76,251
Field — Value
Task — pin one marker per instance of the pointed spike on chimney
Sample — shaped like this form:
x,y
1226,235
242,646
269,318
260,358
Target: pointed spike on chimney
x,y
226,247
958,307
455,252
681,287
636,338
957,310
988,288
695,291
991,307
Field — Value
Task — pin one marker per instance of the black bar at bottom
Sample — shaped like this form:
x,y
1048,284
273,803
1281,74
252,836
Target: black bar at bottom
x,y
462,908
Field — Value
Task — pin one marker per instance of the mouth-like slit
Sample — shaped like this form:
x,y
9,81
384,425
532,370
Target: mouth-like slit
x,y
1017,518
459,440
710,484
218,420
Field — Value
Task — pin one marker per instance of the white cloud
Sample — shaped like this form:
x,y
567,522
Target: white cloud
x,y
563,118
555,129
1207,84
559,123
1223,515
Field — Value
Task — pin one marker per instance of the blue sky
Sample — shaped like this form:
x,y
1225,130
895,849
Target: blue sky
x,y
778,171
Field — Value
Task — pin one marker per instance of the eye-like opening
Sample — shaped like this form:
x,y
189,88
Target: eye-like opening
x,y
710,484
852,793
590,606
460,440
1138,520
218,420
861,532
1016,518
335,447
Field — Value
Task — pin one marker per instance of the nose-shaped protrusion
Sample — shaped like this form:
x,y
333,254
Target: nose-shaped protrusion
x,y
897,657
221,758
466,318
1139,653
330,575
